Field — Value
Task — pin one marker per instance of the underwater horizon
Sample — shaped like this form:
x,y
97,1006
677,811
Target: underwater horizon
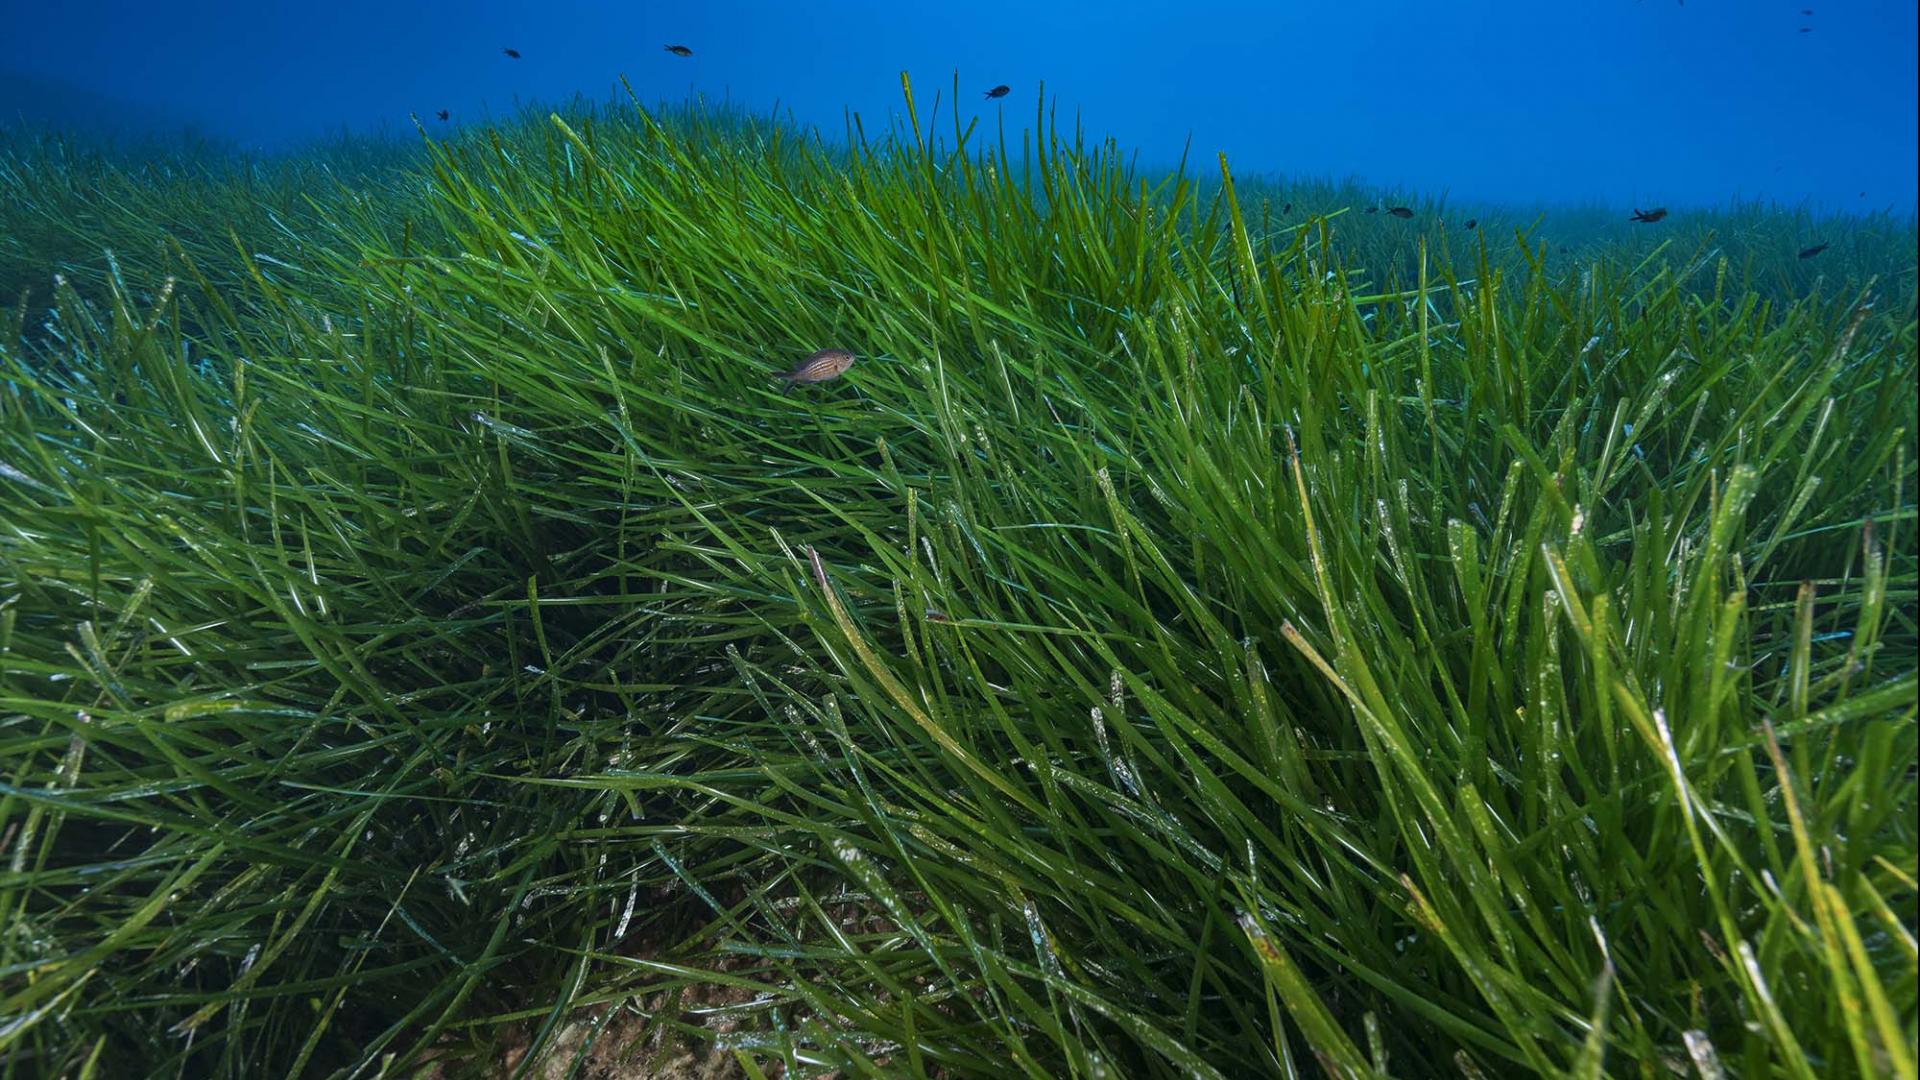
x,y
1618,103
1217,542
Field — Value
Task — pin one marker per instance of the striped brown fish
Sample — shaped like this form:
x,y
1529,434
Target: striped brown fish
x,y
820,367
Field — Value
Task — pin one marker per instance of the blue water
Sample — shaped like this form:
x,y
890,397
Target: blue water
x,y
1654,102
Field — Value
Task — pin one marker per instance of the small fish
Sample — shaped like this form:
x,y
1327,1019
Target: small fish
x,y
512,54
1472,221
1373,209
1287,209
1646,216
1401,212
679,50
1000,91
442,114
1806,29
820,367
1808,253
934,614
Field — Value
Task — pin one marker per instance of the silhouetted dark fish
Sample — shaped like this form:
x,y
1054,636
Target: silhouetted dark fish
x,y
442,114
1401,212
1472,221
512,54
1373,209
1287,209
821,366
1000,91
1806,29
1652,215
1808,253
679,50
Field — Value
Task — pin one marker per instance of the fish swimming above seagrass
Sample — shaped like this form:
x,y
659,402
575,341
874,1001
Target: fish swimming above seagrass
x,y
1808,253
1000,91
1652,215
679,50
1401,212
442,114
1472,222
820,367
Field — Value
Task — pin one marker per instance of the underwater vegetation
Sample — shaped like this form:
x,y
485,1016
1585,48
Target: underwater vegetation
x,y
1211,631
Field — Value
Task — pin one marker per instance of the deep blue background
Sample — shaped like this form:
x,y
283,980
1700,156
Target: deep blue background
x,y
1538,101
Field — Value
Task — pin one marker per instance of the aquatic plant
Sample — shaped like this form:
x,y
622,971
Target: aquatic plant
x,y
1186,644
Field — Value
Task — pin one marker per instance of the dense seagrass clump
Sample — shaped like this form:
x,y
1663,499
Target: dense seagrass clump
x,y
1226,634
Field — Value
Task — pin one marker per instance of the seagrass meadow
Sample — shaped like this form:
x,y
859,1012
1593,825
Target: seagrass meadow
x,y
1211,630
